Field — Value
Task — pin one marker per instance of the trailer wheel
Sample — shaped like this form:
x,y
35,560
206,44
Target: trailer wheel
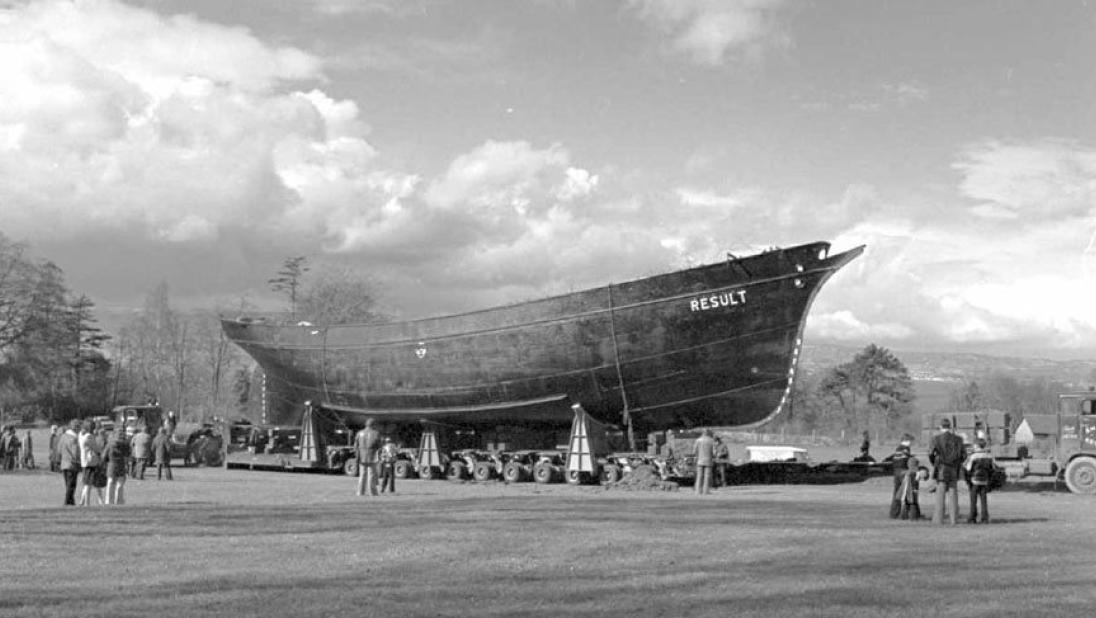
x,y
610,474
456,471
427,473
1081,475
350,467
402,469
513,472
543,473
574,477
484,471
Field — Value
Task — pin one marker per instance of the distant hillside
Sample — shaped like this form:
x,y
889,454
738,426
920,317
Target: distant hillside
x,y
958,366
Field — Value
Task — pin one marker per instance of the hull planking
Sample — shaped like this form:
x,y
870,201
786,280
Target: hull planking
x,y
715,345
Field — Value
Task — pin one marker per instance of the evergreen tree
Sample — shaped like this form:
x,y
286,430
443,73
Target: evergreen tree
x,y
874,390
289,279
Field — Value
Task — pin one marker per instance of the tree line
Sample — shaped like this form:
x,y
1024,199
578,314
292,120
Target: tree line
x,y
56,364
51,359
874,392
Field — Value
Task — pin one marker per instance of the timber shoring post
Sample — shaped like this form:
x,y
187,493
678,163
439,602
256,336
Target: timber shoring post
x,y
626,415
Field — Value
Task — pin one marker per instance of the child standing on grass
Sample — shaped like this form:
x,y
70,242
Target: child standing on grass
x,y
388,466
979,467
911,487
898,460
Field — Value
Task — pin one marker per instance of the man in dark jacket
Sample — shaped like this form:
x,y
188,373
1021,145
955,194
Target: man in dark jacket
x,y
161,452
68,448
367,443
946,453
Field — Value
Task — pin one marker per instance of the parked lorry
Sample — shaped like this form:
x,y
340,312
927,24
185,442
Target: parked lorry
x,y
1061,446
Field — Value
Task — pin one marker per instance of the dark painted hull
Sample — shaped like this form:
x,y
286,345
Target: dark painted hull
x,y
715,345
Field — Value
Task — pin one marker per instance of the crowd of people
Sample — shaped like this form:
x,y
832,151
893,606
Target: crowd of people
x,y
92,458
100,460
15,453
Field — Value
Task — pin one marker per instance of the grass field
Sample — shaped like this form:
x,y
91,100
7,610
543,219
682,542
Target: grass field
x,y
239,543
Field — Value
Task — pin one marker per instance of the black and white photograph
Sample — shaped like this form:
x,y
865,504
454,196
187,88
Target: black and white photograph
x,y
547,308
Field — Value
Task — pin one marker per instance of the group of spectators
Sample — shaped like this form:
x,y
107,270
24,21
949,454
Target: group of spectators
x,y
100,459
375,458
951,461
10,449
712,456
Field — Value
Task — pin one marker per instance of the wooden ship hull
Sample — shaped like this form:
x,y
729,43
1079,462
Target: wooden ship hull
x,y
715,345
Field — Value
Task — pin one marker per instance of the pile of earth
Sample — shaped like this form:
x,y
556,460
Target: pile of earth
x,y
642,478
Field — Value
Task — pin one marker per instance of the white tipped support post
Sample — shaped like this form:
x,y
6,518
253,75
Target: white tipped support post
x,y
429,456
586,443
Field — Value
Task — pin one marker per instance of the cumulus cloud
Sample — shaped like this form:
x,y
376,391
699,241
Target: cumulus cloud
x,y
578,184
711,31
175,129
1009,269
1041,179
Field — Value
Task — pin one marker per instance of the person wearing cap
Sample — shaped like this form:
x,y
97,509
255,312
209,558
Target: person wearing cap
x,y
704,451
946,454
899,460
366,444
388,466
979,467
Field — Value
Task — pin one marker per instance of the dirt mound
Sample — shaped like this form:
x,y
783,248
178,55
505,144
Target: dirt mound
x,y
642,478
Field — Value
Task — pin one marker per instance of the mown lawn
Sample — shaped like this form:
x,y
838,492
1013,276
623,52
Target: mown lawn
x,y
235,543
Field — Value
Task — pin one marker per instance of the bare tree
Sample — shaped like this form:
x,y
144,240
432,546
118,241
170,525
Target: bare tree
x,y
339,295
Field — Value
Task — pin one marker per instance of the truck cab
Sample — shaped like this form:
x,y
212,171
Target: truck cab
x,y
1077,440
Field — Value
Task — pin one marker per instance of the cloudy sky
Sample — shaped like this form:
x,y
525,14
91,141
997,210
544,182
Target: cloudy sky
x,y
470,153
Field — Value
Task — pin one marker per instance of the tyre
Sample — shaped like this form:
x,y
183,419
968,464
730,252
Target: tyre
x,y
485,471
350,467
427,473
1081,475
513,472
402,469
610,474
574,477
544,473
456,471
